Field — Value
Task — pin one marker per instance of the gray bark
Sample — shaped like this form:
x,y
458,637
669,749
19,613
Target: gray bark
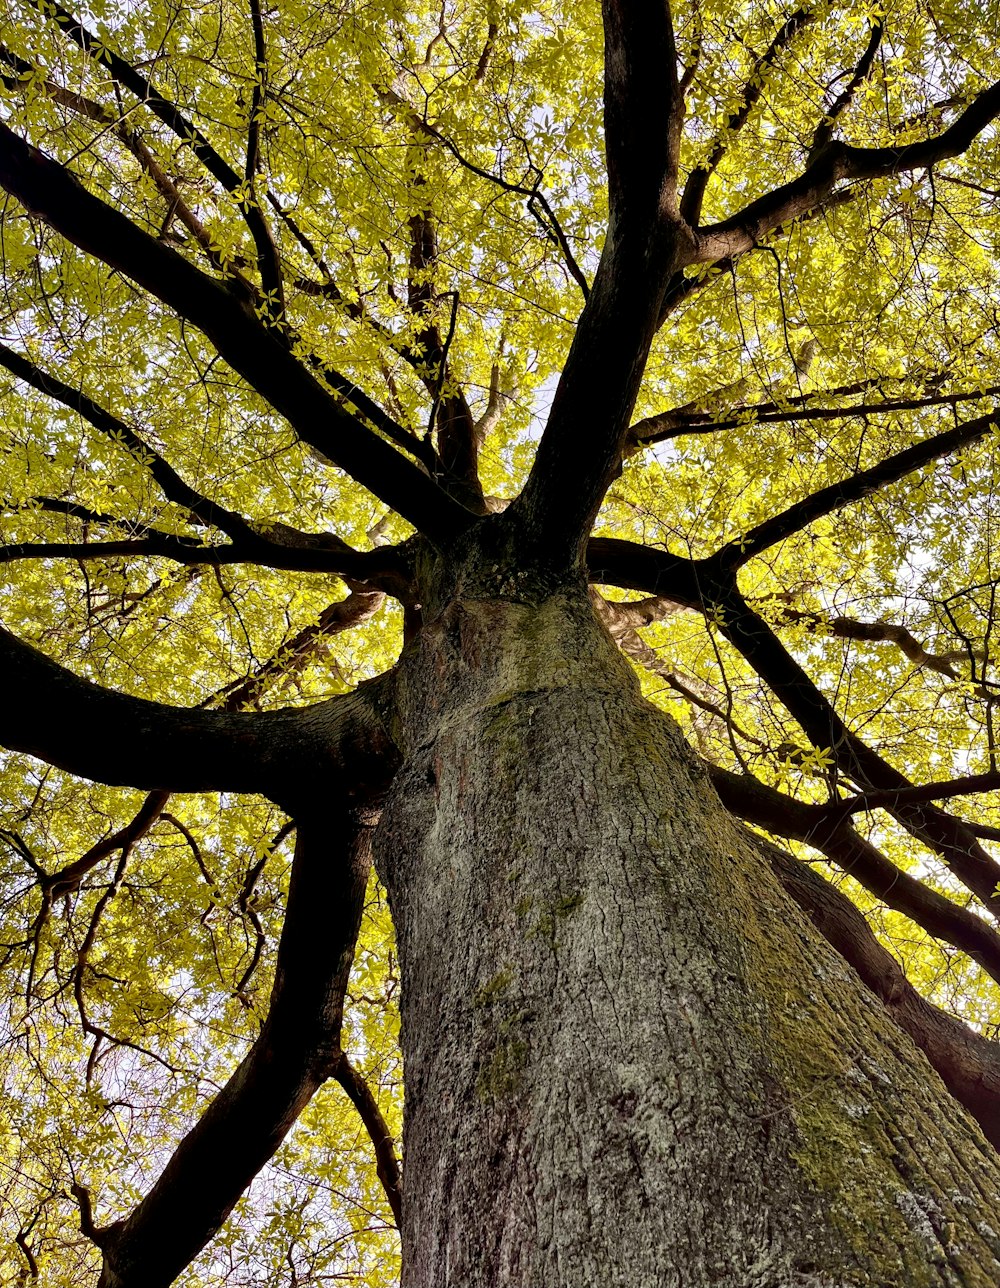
x,y
629,1058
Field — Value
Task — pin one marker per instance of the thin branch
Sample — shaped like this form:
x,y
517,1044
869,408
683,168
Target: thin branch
x,y
87,108
482,66
824,131
750,634
848,628
185,130
694,190
345,614
69,878
536,201
457,445
317,556
386,1163
943,789
690,420
272,545
258,96
178,208
169,481
826,828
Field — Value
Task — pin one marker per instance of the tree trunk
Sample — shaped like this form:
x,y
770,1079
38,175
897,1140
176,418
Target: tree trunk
x,y
629,1058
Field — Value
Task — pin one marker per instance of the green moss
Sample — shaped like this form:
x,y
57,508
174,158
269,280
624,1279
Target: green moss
x,y
841,1135
501,1074
552,912
494,989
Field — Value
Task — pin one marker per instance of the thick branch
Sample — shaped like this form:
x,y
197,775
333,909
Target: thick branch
x,y
837,163
643,109
256,352
297,1050
581,449
614,562
967,1063
112,738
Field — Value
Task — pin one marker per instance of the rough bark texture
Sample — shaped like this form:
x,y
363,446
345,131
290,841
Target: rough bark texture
x,y
630,1059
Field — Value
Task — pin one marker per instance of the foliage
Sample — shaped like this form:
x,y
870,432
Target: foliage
x,y
434,183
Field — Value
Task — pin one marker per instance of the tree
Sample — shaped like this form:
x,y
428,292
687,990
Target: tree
x,y
410,410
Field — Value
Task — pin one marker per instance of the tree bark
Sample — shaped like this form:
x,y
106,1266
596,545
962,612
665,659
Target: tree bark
x,y
629,1057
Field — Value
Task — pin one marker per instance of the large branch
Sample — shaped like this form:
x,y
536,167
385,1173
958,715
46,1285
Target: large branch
x,y
836,496
837,163
643,108
581,449
257,352
297,1051
612,561
967,1063
49,712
